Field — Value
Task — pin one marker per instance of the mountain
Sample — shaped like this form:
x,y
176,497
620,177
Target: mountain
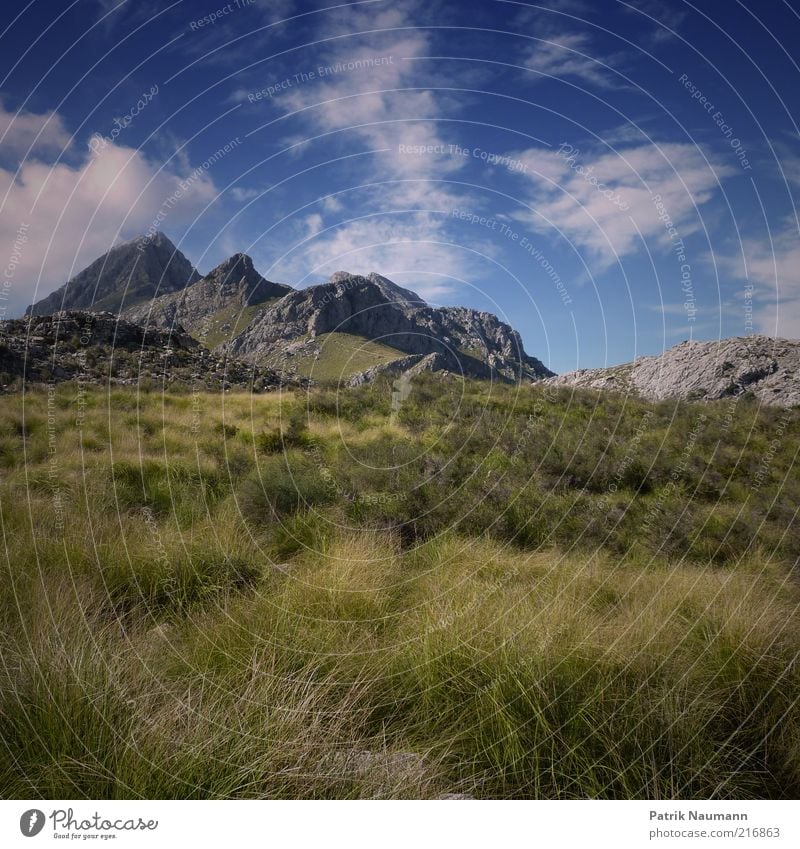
x,y
762,367
215,307
299,328
130,273
100,348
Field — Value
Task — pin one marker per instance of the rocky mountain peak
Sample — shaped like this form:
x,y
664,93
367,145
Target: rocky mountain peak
x,y
229,288
128,274
237,276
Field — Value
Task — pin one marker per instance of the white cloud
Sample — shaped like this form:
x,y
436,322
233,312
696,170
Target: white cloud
x,y
243,193
601,202
413,250
570,54
374,92
26,134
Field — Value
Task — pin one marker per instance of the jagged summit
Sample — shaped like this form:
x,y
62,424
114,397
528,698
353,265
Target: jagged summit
x,y
391,291
128,274
237,276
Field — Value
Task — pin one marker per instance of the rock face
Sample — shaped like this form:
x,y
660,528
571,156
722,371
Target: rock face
x,y
465,341
232,285
101,348
128,274
768,369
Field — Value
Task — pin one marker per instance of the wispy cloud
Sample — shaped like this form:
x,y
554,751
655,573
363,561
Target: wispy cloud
x,y
604,203
571,55
369,92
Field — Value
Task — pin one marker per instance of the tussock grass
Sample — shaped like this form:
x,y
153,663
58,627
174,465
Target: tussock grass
x,y
394,605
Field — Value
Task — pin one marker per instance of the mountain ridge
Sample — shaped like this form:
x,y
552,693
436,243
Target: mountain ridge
x,y
350,327
225,292
474,343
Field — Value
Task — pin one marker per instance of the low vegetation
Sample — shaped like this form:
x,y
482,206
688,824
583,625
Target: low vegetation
x,y
455,588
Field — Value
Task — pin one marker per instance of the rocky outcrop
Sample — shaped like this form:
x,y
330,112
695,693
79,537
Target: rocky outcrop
x,y
765,368
473,343
232,285
128,274
96,348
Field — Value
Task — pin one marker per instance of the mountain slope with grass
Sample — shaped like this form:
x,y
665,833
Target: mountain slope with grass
x,y
131,273
216,307
466,341
758,366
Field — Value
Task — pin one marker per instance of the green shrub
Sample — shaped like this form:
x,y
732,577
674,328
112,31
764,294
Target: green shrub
x,y
282,484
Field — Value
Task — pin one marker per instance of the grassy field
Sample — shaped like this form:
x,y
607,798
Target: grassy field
x,y
495,591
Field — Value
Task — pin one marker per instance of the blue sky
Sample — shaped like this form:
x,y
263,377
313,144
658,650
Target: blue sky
x,y
610,177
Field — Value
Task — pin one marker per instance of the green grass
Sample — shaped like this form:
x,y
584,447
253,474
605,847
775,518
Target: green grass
x,y
502,591
340,356
226,323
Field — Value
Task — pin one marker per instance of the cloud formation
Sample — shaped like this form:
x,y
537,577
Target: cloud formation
x,y
602,201
369,90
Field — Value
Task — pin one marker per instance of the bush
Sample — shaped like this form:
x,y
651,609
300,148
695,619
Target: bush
x,y
282,484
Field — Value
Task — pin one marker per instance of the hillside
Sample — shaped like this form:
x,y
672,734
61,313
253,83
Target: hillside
x,y
762,367
128,274
216,307
466,341
100,348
